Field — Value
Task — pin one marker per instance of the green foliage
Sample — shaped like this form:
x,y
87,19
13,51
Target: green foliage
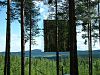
x,y
31,11
29,8
44,66
85,12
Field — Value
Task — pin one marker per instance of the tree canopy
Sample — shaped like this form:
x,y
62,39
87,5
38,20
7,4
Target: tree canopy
x,y
29,7
85,11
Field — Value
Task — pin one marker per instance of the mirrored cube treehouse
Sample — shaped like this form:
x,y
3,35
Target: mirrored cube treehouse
x,y
51,34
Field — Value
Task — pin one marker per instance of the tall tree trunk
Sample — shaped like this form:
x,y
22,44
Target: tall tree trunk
x,y
7,53
89,38
22,38
72,40
90,48
57,50
62,70
30,44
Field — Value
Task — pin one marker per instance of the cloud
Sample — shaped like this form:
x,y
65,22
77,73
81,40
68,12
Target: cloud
x,y
41,10
82,46
40,43
2,43
15,43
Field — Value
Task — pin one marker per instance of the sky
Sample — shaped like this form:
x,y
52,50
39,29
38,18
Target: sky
x,y
15,33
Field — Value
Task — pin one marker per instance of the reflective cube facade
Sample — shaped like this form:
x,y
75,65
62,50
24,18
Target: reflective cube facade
x,y
51,36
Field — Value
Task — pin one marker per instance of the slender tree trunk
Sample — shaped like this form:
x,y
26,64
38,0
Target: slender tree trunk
x,y
89,39
90,48
72,42
7,53
57,50
30,44
57,62
62,71
22,38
